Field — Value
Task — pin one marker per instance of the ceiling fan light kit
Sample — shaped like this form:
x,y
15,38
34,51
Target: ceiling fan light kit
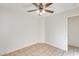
x,y
41,8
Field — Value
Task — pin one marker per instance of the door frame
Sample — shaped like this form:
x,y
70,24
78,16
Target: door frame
x,y
68,26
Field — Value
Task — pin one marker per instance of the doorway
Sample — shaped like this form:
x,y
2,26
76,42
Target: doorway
x,y
73,31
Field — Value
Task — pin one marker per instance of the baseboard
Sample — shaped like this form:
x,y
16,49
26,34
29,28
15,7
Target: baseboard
x,y
9,51
56,47
28,46
73,45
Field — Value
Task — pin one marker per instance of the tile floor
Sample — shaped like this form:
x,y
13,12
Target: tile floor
x,y
42,49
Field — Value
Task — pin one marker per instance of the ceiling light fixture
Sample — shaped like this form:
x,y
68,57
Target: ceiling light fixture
x,y
40,13
41,8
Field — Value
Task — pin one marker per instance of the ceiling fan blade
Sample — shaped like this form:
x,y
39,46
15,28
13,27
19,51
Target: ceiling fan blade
x,y
35,4
49,11
48,4
32,10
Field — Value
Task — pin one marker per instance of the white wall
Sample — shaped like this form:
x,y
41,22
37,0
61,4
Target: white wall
x,y
18,29
42,29
56,28
56,31
73,30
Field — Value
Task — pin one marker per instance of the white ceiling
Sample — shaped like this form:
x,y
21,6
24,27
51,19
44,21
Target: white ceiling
x,y
57,7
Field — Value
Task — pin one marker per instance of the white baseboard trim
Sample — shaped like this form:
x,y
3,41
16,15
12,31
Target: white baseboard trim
x,y
73,45
9,51
20,47
17,48
55,46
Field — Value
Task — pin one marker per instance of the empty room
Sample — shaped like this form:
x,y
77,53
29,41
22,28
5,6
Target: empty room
x,y
39,29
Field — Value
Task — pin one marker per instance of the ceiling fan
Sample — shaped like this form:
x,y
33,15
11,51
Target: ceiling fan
x,y
41,8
